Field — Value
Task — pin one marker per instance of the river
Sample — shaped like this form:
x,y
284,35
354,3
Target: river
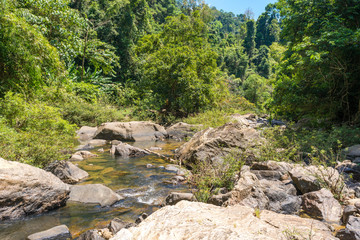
x,y
143,189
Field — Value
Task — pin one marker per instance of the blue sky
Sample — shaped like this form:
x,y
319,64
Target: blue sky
x,y
239,6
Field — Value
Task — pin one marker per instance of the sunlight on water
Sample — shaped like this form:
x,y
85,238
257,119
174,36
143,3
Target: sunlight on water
x,y
144,189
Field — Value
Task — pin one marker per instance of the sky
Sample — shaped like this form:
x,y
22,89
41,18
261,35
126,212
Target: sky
x,y
239,6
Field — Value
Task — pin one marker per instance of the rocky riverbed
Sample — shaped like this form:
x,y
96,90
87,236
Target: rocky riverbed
x,y
270,200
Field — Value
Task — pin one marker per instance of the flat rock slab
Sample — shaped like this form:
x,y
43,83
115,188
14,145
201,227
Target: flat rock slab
x,y
194,220
56,233
94,194
131,131
26,190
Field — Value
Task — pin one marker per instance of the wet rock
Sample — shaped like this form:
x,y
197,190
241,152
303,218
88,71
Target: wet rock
x,y
131,131
149,165
93,193
352,230
101,150
66,171
179,170
127,151
277,123
175,197
81,155
178,178
155,148
86,133
141,218
56,233
194,220
26,190
212,145
182,130
91,235
84,147
322,205
117,224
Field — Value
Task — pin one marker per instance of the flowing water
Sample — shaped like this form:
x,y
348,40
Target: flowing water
x,y
143,190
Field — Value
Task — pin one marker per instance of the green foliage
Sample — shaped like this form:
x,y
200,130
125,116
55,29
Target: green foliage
x,y
268,27
219,116
256,89
208,176
179,71
312,145
26,57
249,41
33,132
319,76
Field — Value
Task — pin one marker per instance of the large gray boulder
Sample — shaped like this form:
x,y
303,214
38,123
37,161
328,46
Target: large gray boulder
x,y
194,220
213,144
322,205
131,131
26,190
56,233
272,195
94,194
66,171
180,131
127,151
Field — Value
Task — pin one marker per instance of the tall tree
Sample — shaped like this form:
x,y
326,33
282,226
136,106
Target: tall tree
x,y
249,41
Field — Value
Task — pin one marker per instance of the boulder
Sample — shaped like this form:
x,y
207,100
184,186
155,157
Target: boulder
x,y
313,178
175,197
352,230
94,193
177,169
322,205
81,155
272,195
131,131
352,152
127,151
86,133
56,233
91,235
249,120
26,190
350,168
194,220
213,144
182,130
66,171
117,224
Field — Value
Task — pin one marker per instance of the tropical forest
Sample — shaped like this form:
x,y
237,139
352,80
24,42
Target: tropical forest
x,y
174,119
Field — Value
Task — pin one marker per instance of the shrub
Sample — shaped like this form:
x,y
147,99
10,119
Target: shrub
x,y
33,132
208,176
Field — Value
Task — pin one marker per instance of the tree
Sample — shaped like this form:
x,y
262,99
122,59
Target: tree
x,y
320,73
268,26
179,68
249,41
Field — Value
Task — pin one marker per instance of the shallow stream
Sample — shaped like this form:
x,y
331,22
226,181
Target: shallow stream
x,y
143,190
